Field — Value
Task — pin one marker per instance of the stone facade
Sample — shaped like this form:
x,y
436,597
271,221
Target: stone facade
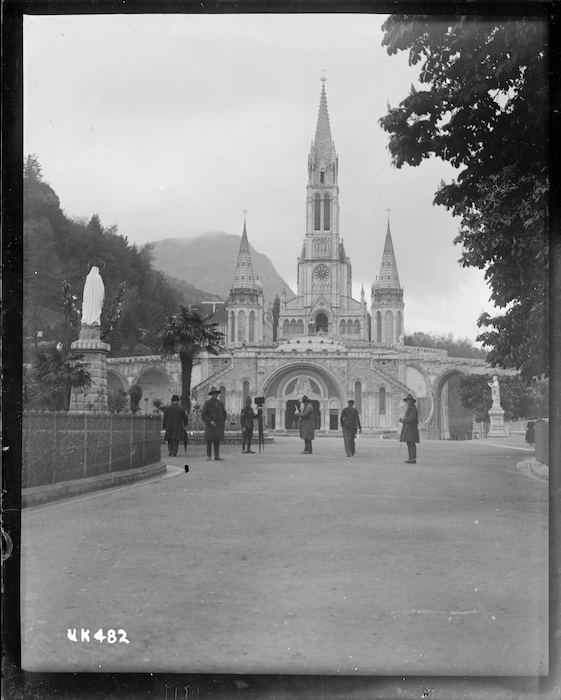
x,y
325,347
94,398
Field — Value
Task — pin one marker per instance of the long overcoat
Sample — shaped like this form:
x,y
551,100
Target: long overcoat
x,y
307,423
175,422
350,419
214,411
409,429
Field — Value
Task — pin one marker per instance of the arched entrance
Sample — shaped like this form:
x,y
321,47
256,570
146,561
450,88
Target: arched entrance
x,y
155,384
284,390
451,420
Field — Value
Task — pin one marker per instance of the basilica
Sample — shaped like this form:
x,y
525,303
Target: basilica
x,y
328,345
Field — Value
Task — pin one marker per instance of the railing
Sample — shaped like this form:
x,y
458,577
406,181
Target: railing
x,y
63,446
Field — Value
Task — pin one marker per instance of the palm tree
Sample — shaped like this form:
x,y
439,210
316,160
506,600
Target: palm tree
x,y
58,371
188,333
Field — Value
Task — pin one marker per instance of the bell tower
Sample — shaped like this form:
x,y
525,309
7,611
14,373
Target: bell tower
x,y
387,305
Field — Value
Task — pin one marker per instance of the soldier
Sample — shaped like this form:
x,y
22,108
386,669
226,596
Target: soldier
x,y
246,421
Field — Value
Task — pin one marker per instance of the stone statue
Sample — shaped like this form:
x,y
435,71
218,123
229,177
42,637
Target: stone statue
x,y
94,294
495,392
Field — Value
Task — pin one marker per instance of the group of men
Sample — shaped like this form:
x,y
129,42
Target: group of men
x,y
214,417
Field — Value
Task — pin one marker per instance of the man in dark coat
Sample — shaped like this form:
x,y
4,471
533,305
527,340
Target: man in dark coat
x,y
214,418
409,429
175,424
306,418
350,422
246,421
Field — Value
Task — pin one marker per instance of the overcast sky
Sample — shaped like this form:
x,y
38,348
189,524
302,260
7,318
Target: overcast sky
x,y
170,126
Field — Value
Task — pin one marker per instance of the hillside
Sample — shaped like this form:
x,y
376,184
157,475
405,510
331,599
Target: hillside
x,y
208,262
190,293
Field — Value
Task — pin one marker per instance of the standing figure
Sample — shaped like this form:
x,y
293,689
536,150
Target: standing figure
x,y
409,430
214,417
94,295
246,421
350,422
531,433
175,424
306,418
495,392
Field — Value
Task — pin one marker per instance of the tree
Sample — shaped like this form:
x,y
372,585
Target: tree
x,y
188,333
518,399
55,373
135,394
485,111
32,168
461,347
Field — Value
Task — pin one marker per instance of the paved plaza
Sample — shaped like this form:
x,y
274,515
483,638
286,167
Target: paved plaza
x,y
286,563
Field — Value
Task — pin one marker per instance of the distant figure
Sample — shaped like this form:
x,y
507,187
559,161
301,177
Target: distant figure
x,y
214,417
175,424
246,421
306,418
409,430
94,295
350,422
531,433
495,392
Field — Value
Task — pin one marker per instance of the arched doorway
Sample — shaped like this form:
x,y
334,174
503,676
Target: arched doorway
x,y
322,323
451,420
155,384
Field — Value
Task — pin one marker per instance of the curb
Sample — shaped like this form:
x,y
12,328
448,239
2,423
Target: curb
x,y
537,469
38,495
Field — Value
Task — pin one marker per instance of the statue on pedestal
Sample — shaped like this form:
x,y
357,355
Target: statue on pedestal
x,y
495,392
94,295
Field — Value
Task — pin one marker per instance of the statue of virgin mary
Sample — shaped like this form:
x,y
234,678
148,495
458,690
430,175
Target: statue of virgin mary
x,y
94,294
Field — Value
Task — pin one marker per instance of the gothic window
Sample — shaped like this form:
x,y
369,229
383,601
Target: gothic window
x,y
342,327
322,323
357,327
317,213
285,328
382,400
322,177
349,326
300,327
252,326
245,390
232,327
358,396
378,327
388,327
326,213
241,326
399,324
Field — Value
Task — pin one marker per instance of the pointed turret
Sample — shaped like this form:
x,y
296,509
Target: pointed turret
x,y
243,276
323,147
388,277
387,305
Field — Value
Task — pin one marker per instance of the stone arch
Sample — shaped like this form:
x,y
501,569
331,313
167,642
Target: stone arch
x,y
116,381
439,426
156,384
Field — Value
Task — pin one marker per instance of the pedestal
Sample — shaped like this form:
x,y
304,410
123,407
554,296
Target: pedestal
x,y
497,418
94,398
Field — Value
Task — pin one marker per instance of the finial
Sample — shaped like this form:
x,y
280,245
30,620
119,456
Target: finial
x,y
323,78
244,215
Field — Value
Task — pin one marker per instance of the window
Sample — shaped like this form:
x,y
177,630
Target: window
x,y
232,327
358,396
388,327
245,390
322,177
382,400
326,213
300,327
378,327
317,213
241,326
399,325
285,329
342,327
252,326
357,327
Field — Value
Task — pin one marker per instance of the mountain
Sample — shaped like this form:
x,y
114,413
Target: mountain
x,y
209,262
191,294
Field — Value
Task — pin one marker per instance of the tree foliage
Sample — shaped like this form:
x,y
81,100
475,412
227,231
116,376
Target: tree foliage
x,y
518,399
189,333
460,347
52,376
484,110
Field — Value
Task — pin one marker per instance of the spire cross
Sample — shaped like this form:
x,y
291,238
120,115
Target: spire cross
x,y
244,213
388,210
323,78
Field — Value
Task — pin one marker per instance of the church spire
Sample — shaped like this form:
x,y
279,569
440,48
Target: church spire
x,y
243,276
322,151
388,277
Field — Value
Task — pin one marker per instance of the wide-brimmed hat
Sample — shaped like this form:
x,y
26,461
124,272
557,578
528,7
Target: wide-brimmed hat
x,y
351,401
248,399
214,390
305,398
410,398
175,397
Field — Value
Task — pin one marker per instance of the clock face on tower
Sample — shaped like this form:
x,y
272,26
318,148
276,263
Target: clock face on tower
x,y
321,273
